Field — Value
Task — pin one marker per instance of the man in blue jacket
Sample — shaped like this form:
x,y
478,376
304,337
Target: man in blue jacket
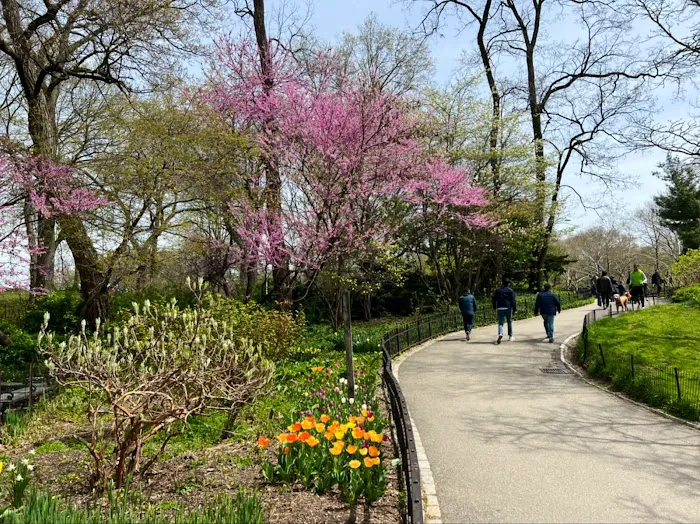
x,y
467,305
505,305
547,303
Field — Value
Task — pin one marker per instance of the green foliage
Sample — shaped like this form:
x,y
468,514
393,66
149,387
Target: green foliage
x,y
15,358
686,270
276,333
55,446
679,208
14,425
63,307
689,295
243,508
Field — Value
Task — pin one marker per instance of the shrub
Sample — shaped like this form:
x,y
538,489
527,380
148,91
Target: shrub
x,y
276,333
163,366
15,358
689,295
63,307
686,270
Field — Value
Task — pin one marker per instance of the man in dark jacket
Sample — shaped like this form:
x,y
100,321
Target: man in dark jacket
x,y
467,305
657,282
548,305
605,289
505,304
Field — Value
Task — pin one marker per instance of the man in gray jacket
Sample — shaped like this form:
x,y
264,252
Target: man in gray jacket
x,y
467,305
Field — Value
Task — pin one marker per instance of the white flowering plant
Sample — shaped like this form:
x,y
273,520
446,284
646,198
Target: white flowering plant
x,y
163,366
16,476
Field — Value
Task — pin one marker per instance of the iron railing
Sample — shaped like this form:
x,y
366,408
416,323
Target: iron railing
x,y
666,387
412,334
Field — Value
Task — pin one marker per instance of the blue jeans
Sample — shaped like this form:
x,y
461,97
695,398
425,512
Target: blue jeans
x,y
468,322
549,325
503,315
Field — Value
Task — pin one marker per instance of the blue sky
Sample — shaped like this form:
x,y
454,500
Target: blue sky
x,y
331,18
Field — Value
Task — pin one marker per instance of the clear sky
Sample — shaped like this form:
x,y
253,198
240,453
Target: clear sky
x,y
331,18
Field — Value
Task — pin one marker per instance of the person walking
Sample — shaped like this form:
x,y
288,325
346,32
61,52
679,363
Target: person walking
x,y
504,302
468,306
620,289
548,305
657,282
637,280
605,289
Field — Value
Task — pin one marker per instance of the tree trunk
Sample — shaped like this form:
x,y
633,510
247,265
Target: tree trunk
x,y
93,283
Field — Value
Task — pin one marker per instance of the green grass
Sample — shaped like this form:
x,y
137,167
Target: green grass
x,y
661,336
652,355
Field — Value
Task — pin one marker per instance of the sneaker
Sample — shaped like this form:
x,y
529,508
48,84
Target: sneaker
x,y
511,339
498,341
551,340
467,337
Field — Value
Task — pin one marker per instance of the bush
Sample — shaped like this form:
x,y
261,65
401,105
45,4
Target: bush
x,y
690,295
15,358
164,366
276,333
686,270
63,307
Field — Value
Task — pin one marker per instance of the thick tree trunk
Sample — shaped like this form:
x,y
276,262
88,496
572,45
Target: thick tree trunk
x,y
93,282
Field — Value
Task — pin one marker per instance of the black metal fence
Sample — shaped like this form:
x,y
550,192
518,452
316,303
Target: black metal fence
x,y
667,387
412,334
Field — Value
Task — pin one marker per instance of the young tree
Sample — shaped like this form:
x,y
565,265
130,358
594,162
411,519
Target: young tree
x,y
679,208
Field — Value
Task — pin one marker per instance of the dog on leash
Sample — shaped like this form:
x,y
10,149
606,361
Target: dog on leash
x,y
622,301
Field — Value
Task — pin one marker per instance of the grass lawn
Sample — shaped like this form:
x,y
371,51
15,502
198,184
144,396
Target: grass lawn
x,y
661,336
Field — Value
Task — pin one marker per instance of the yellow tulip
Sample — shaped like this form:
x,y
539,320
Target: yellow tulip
x,y
363,451
336,451
307,424
351,449
339,434
354,464
320,428
312,442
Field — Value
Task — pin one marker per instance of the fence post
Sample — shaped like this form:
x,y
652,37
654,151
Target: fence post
x,y
418,328
678,383
408,337
602,355
31,386
632,364
430,328
594,315
610,310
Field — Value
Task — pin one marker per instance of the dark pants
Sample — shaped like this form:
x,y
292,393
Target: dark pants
x,y
638,294
549,325
468,322
604,301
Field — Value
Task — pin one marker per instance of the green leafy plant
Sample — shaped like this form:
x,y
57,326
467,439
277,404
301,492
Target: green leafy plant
x,y
164,366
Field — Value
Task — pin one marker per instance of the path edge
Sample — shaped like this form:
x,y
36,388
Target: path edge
x,y
431,506
575,371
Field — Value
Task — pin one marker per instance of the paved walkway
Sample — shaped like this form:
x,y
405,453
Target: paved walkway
x,y
507,443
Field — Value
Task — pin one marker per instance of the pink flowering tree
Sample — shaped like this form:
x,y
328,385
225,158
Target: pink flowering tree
x,y
52,190
351,169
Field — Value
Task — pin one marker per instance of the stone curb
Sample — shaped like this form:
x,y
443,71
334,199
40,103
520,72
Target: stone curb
x,y
431,505
575,371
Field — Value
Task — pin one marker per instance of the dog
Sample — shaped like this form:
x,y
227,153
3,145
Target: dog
x,y
622,301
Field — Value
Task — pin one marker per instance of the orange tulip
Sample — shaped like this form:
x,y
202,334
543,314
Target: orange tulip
x,y
304,436
325,418
353,419
312,442
373,452
369,462
294,428
307,424
286,450
377,461
360,420
320,428
263,442
339,444
329,435
351,449
336,451
358,433
292,437
282,437
354,464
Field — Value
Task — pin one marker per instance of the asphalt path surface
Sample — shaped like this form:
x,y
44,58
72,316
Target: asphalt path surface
x,y
508,443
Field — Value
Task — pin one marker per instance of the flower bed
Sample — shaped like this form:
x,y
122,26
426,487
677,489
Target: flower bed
x,y
336,443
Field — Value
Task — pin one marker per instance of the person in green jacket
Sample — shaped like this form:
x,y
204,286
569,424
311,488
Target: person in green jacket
x,y
637,280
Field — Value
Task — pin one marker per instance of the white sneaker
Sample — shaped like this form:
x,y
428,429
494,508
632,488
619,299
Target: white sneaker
x,y
511,339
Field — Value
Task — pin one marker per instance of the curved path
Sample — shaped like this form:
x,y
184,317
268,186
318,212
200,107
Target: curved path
x,y
508,443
